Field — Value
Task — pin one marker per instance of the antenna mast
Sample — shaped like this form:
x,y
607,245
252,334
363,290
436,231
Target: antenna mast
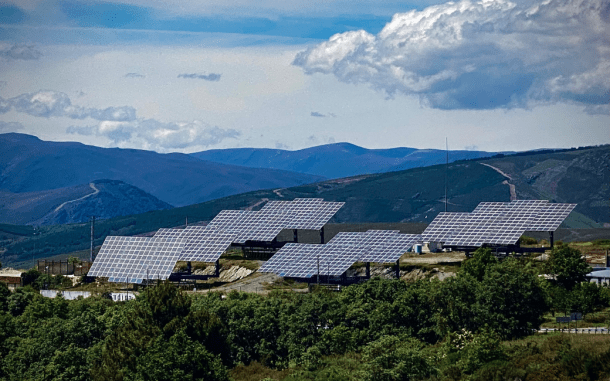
x,y
446,170
92,235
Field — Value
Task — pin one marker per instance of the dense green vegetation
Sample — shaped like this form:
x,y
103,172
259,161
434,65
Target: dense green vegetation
x,y
472,326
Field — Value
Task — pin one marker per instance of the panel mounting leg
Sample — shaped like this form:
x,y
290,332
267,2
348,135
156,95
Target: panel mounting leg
x,y
322,235
368,270
295,235
217,270
398,269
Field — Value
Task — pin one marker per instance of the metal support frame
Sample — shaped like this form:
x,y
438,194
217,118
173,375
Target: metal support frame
x,y
189,267
368,270
295,235
217,268
318,269
322,235
398,269
551,239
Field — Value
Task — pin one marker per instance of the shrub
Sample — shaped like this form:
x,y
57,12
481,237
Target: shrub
x,y
392,358
525,240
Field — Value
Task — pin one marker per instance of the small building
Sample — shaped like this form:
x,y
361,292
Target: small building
x,y
601,275
10,277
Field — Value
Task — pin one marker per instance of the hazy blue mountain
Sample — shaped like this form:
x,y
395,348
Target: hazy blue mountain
x,y
337,160
102,199
28,164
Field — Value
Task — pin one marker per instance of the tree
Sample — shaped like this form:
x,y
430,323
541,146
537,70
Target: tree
x,y
4,295
568,266
510,300
477,265
395,358
179,358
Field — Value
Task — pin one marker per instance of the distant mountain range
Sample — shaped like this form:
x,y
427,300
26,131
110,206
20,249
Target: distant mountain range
x,y
417,195
337,160
28,164
101,198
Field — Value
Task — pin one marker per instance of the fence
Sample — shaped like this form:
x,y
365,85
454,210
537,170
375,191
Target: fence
x,y
63,267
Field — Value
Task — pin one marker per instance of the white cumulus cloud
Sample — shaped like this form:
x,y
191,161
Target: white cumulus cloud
x,y
19,52
10,126
154,135
480,55
48,103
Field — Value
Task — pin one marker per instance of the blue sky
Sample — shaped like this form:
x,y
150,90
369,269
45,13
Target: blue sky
x,y
171,75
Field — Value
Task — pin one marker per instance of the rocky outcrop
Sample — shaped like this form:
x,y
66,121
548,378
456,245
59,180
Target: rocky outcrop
x,y
232,274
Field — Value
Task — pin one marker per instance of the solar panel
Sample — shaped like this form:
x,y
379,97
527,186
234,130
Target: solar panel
x,y
292,258
259,226
226,219
345,239
314,216
133,259
167,233
444,226
507,228
363,239
300,260
335,260
391,251
205,244
551,217
305,213
496,223
477,225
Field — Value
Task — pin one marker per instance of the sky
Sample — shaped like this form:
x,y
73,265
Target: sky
x,y
186,75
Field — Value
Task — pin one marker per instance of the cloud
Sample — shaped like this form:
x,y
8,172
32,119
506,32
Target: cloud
x,y
5,106
19,52
479,55
10,126
320,115
48,103
155,135
212,77
279,145
134,75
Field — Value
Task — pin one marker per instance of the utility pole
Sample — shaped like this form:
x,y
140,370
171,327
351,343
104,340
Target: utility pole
x,y
446,170
92,235
318,269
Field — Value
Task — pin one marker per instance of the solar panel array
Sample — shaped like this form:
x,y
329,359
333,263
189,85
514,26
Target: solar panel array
x,y
204,244
343,250
132,259
380,246
305,213
301,260
266,224
496,223
392,250
444,226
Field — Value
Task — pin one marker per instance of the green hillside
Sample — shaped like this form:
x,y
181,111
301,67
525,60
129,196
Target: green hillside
x,y
415,195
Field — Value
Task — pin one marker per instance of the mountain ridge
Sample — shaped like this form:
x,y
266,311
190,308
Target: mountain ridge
x,y
101,198
338,160
28,164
